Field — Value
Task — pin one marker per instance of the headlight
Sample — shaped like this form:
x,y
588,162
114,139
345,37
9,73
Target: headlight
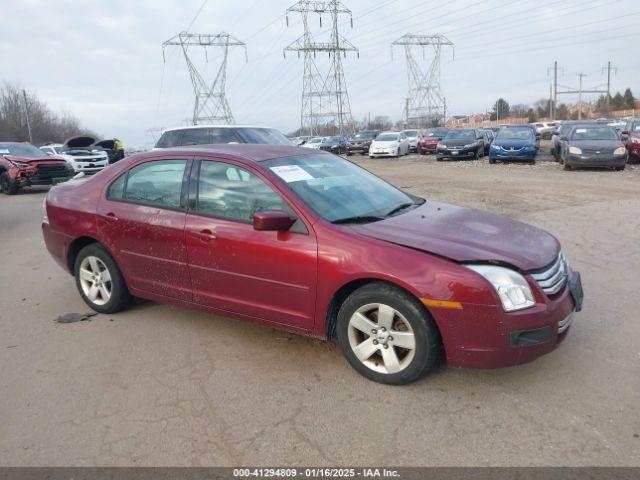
x,y
496,147
19,164
470,145
619,151
511,287
441,145
575,150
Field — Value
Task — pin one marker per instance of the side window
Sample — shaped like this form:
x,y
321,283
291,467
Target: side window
x,y
157,183
225,135
230,192
116,189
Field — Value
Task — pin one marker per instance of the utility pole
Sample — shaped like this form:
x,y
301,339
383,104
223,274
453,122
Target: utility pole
x,y
26,111
497,111
580,75
444,111
554,102
211,104
609,68
425,99
325,101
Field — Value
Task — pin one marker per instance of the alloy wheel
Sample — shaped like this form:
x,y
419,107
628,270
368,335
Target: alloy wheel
x,y
95,280
381,338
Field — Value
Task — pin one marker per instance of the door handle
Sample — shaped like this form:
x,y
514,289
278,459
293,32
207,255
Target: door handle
x,y
110,217
205,235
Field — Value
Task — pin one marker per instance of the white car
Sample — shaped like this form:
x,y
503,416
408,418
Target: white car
x,y
214,134
412,137
313,142
84,159
547,128
389,144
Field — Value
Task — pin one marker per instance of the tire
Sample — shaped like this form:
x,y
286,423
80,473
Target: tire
x,y
476,156
93,259
492,160
6,186
566,167
405,317
619,169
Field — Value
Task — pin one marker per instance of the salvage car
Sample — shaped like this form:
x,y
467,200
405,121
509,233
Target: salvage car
x,y
214,134
412,137
461,143
514,144
389,144
594,146
83,156
429,141
23,165
309,242
336,144
361,142
631,138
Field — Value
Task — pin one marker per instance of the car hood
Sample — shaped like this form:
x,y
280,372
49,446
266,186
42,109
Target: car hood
x,y
514,143
604,144
46,160
384,143
458,142
466,235
79,142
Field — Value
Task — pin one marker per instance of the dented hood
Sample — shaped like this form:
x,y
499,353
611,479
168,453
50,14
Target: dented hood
x,y
465,235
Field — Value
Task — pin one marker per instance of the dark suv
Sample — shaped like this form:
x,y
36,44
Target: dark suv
x,y
361,142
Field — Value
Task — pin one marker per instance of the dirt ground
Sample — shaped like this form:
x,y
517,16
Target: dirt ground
x,y
159,385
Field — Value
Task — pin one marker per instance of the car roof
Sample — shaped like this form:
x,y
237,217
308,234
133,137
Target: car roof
x,y
190,127
251,152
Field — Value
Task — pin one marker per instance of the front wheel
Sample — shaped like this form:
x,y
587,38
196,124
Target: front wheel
x,y
99,280
6,185
387,335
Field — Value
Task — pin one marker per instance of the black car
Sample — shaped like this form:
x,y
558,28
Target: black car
x,y
336,144
594,146
558,146
361,142
461,143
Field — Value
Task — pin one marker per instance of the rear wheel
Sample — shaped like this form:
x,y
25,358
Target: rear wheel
x,y
387,335
99,280
620,168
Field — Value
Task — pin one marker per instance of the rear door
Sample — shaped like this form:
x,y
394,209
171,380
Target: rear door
x,y
141,219
233,267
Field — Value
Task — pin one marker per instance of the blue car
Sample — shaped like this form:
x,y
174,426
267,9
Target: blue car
x,y
514,144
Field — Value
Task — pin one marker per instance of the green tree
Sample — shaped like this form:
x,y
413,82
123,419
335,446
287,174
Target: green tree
x,y
617,102
562,112
500,109
531,115
628,100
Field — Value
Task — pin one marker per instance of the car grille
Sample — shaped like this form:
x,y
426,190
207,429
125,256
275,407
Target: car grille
x,y
594,151
89,159
52,171
552,279
513,149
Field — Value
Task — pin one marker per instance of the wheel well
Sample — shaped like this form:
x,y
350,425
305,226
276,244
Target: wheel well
x,y
75,247
341,295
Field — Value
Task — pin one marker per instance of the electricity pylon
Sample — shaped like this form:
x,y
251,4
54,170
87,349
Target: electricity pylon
x,y
325,101
425,102
211,104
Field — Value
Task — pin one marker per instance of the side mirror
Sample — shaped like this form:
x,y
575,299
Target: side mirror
x,y
564,138
272,220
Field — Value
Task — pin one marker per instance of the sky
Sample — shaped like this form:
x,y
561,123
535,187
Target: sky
x,y
102,61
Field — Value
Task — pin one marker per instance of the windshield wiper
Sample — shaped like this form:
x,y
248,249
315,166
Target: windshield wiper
x,y
400,207
358,219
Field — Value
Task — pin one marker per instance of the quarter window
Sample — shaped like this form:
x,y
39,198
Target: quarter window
x,y
227,191
116,189
157,183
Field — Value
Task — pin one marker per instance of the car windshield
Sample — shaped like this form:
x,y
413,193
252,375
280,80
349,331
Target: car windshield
x,y
365,136
21,150
411,133
461,134
337,190
332,140
597,133
437,133
387,137
515,134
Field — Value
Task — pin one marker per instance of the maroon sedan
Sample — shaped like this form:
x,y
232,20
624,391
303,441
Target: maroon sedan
x,y
429,142
311,243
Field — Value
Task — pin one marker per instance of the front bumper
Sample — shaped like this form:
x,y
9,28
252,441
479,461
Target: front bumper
x,y
514,156
484,336
427,148
457,152
361,148
634,150
384,152
596,161
90,167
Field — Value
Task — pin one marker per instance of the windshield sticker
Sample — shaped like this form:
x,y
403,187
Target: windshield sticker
x,y
291,173
581,130
4,151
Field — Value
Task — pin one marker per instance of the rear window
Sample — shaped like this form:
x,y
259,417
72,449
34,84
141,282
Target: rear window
x,y
268,136
169,139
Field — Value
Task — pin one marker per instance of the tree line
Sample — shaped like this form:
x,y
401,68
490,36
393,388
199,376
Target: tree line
x,y
46,125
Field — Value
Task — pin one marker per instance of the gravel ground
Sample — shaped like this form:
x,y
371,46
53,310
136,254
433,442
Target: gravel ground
x,y
159,385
